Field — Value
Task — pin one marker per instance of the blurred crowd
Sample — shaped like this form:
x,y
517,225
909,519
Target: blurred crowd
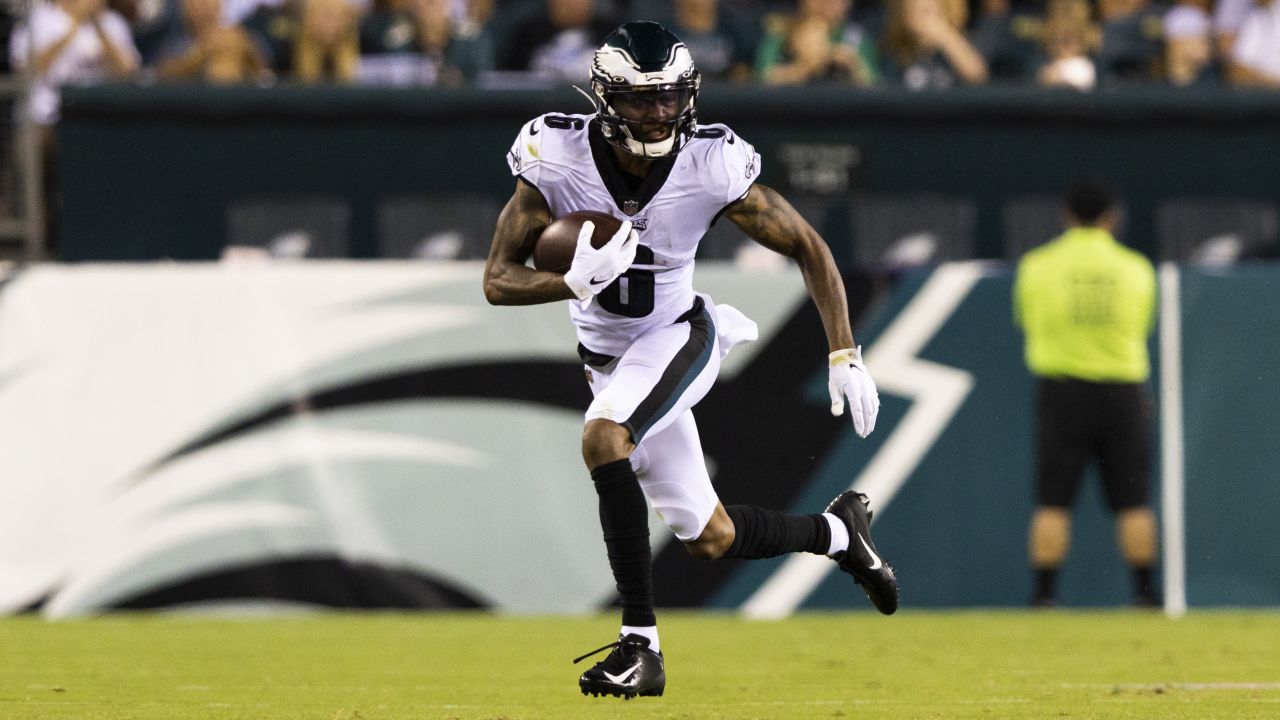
x,y
916,44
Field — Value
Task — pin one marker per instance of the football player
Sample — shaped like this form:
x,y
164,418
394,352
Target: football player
x,y
652,346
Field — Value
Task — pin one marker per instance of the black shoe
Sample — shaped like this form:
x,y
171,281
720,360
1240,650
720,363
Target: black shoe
x,y
1147,601
861,560
631,669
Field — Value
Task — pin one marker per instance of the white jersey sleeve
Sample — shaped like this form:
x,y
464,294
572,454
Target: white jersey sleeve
x,y
734,164
525,156
552,154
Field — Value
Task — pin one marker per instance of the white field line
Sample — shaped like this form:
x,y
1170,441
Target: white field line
x,y
1180,686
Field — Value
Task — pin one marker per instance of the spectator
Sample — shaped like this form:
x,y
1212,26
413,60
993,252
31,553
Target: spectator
x,y
211,50
1255,56
71,41
816,43
8,18
1087,305
272,24
151,22
1188,45
722,44
1007,39
1069,36
67,41
419,42
1228,16
559,42
1132,34
925,46
235,12
327,47
470,15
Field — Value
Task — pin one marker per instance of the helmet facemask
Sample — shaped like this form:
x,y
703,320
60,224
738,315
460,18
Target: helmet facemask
x,y
646,90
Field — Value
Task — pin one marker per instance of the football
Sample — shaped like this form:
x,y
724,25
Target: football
x,y
558,241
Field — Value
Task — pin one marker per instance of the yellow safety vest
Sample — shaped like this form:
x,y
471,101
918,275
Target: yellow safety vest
x,y
1086,304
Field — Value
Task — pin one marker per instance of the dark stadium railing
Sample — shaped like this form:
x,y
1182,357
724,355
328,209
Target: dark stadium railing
x,y
154,171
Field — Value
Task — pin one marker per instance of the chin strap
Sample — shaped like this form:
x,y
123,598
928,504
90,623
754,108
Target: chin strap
x,y
594,106
646,145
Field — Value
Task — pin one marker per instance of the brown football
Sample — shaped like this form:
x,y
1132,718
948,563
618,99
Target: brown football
x,y
558,241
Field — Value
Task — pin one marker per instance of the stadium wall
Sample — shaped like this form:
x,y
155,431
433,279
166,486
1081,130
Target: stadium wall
x,y
375,435
161,171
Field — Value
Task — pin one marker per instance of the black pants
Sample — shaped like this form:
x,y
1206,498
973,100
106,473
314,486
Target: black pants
x,y
1082,421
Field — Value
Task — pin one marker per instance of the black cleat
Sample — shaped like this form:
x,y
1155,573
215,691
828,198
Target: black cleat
x,y
861,560
1043,602
1147,601
631,669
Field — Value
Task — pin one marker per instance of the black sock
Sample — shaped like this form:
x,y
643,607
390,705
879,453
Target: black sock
x,y
624,517
1142,588
761,533
1046,579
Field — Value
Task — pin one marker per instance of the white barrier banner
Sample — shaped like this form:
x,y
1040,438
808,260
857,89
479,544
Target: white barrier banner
x,y
351,434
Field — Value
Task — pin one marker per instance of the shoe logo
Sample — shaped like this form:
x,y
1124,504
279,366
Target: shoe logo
x,y
533,128
622,679
875,559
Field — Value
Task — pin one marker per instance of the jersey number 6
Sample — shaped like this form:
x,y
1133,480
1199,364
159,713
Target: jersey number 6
x,y
631,295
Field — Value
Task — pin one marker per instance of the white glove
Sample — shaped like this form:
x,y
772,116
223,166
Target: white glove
x,y
592,270
849,377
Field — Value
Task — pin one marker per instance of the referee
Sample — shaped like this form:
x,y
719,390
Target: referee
x,y
1086,305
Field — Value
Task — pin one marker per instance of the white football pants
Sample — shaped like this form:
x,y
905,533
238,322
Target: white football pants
x,y
651,390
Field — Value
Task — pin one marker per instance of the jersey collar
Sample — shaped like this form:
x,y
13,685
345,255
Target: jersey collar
x,y
1088,234
627,201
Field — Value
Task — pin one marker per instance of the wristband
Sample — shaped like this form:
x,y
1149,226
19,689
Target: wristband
x,y
852,356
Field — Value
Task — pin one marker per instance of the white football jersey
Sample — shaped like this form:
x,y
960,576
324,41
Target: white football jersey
x,y
571,164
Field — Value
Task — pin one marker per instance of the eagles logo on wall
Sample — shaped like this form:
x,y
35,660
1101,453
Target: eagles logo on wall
x,y
343,435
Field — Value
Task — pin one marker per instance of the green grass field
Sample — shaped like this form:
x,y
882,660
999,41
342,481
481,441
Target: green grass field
x,y
1122,664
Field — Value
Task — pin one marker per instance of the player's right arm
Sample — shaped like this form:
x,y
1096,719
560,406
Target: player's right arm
x,y
507,280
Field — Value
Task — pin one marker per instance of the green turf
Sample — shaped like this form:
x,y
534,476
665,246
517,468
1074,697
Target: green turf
x,y
461,665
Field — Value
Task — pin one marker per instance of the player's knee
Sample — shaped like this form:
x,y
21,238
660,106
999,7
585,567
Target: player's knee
x,y
714,541
604,441
1050,536
707,548
1136,528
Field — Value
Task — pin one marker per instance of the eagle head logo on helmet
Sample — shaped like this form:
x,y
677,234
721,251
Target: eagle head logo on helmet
x,y
646,90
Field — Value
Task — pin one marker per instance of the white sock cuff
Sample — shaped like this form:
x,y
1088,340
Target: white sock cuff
x,y
839,534
650,632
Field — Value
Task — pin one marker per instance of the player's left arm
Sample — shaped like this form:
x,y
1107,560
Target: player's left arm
x,y
766,217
